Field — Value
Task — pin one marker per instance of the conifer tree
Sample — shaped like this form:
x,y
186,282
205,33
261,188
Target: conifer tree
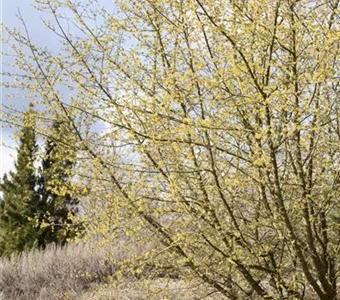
x,y
58,203
19,200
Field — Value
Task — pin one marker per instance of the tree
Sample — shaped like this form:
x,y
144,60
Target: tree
x,y
18,203
228,115
55,190
36,208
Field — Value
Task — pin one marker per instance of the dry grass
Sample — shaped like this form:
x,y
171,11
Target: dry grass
x,y
54,272
86,272
156,289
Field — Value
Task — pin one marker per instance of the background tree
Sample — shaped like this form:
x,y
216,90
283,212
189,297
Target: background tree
x,y
227,112
37,205
59,203
19,200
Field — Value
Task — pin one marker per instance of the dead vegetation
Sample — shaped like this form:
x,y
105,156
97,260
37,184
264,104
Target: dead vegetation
x,y
53,272
89,272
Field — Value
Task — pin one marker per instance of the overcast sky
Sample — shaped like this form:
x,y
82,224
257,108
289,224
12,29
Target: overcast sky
x,y
41,37
9,10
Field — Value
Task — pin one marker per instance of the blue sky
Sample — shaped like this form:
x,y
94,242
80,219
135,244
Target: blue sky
x,y
40,36
9,10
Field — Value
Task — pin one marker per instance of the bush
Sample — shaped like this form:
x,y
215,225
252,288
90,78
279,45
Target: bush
x,y
54,273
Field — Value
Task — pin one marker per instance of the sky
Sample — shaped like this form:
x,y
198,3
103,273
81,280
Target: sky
x,y
40,36
8,11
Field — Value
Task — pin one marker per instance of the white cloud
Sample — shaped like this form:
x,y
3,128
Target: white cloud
x,y
7,156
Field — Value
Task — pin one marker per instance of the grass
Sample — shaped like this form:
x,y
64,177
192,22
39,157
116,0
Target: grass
x,y
53,272
155,289
87,272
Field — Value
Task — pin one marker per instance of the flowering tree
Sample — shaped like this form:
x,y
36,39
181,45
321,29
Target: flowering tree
x,y
227,116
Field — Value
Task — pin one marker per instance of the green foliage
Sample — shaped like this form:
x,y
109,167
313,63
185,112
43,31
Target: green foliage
x,y
36,207
19,201
58,203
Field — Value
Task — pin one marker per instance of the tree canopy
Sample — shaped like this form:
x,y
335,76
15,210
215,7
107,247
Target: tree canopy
x,y
37,204
19,199
213,125
59,203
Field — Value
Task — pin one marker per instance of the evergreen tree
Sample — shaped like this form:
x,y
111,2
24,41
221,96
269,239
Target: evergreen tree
x,y
36,210
58,203
19,201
